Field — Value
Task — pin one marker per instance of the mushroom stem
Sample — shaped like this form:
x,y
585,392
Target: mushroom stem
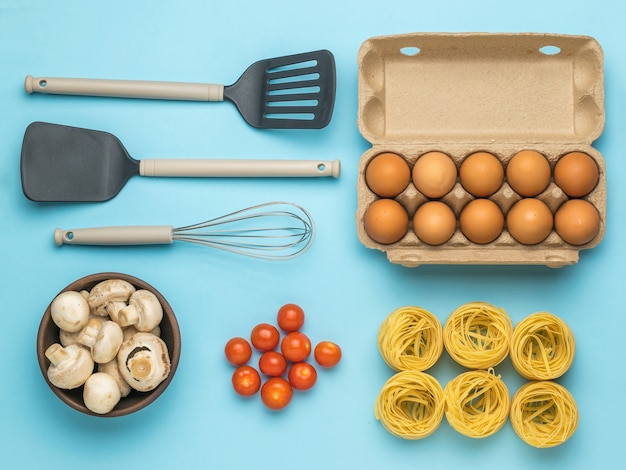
x,y
56,354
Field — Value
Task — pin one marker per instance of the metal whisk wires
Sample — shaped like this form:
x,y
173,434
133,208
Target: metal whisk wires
x,y
273,231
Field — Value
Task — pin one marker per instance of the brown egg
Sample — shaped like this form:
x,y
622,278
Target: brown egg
x,y
386,221
387,174
481,221
576,173
577,222
529,221
434,222
528,173
434,174
481,174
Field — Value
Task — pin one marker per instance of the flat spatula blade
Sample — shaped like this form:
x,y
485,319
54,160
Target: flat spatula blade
x,y
69,164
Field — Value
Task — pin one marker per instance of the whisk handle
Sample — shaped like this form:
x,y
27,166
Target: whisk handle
x,y
239,168
127,235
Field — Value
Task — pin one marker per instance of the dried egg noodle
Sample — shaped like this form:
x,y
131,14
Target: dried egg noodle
x,y
477,335
410,338
410,405
543,414
477,403
542,347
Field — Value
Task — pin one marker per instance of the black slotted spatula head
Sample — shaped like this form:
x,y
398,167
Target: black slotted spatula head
x,y
289,92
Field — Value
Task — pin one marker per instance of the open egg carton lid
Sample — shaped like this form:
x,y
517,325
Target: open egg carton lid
x,y
497,92
480,87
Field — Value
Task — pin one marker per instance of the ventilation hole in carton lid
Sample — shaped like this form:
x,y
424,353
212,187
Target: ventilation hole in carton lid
x,y
550,50
410,50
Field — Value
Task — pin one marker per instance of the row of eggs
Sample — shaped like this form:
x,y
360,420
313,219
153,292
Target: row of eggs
x,y
529,221
481,174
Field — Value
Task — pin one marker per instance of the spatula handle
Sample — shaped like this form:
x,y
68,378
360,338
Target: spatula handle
x,y
125,88
126,235
238,168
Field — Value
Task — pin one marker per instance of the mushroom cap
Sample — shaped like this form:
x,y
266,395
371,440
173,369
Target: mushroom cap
x,y
144,311
107,342
69,311
144,361
109,292
113,370
69,367
101,393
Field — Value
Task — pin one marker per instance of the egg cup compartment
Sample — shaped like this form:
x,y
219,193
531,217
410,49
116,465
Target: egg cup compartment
x,y
497,93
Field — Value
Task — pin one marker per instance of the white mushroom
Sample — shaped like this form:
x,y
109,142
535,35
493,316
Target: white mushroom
x,y
144,361
101,393
69,367
104,340
113,370
69,311
106,294
144,311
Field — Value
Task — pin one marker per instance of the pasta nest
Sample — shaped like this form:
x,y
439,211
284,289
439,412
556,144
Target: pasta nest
x,y
410,405
542,347
410,338
477,335
477,403
544,414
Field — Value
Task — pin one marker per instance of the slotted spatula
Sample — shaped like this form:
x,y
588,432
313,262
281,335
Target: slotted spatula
x,y
70,164
289,92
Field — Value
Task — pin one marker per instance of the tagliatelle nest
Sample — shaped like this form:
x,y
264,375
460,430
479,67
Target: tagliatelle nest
x,y
477,403
542,347
477,335
410,405
544,414
410,338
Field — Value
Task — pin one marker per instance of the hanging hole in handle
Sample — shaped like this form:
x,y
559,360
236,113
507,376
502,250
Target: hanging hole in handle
x,y
550,50
321,167
42,83
410,51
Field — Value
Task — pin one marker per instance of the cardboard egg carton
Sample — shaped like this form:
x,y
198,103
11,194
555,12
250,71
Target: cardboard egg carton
x,y
461,93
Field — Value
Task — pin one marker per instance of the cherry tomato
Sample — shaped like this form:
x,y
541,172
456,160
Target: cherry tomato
x,y
296,346
327,354
246,381
302,376
272,363
276,393
237,351
290,317
264,337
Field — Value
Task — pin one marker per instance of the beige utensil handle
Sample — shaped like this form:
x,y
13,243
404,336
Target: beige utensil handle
x,y
125,88
126,235
239,168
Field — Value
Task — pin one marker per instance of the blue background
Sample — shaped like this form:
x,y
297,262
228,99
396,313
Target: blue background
x,y
345,289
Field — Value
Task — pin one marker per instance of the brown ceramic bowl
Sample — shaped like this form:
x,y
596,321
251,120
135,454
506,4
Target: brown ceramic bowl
x,y
49,333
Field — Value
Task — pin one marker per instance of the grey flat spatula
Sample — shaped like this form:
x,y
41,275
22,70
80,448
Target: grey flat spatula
x,y
289,92
70,164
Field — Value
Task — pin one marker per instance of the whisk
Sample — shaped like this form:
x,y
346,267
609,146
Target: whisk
x,y
272,231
